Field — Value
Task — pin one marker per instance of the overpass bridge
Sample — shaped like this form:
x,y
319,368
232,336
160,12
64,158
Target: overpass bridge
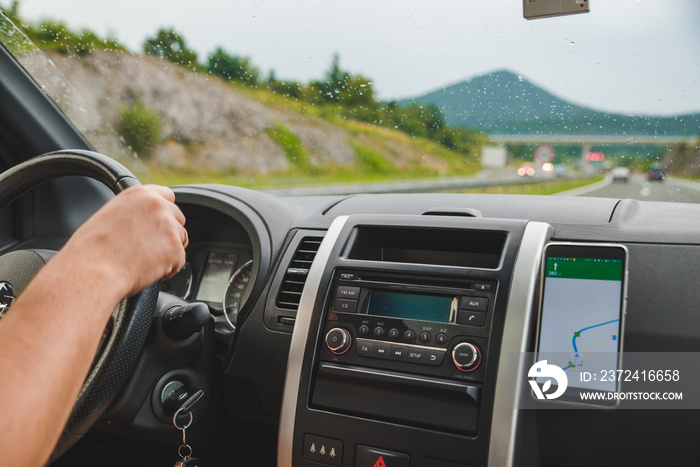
x,y
634,140
587,141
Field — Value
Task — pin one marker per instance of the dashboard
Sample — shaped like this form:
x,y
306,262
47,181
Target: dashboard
x,y
376,327
381,325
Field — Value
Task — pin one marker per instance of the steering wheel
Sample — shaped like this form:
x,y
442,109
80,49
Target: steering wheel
x,y
132,317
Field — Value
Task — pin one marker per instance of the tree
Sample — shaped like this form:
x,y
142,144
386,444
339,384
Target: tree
x,y
13,12
87,42
316,92
233,68
341,87
336,81
357,91
171,46
290,89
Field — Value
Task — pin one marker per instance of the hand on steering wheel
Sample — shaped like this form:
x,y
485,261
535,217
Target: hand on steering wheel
x,y
134,240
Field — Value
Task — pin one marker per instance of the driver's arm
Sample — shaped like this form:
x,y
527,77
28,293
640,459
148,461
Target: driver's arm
x,y
50,336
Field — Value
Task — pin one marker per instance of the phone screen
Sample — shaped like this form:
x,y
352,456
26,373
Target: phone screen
x,y
581,314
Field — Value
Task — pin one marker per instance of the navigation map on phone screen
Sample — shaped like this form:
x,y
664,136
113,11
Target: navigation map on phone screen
x,y
581,312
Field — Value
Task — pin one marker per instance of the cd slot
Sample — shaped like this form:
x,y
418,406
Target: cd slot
x,y
394,397
440,247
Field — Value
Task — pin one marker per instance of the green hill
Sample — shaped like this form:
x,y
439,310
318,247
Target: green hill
x,y
505,103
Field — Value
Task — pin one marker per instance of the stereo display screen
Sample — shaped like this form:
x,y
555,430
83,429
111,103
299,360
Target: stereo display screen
x,y
412,306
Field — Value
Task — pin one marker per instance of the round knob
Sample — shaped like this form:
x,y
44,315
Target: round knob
x,y
338,340
466,356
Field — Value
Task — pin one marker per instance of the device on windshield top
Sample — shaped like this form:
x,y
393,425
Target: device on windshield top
x,y
533,9
582,308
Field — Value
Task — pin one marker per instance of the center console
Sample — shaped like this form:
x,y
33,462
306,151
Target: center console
x,y
396,351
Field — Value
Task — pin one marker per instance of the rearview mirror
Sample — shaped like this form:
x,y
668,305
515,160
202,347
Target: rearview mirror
x,y
533,9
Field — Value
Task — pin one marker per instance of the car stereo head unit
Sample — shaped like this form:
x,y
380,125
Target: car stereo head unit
x,y
436,327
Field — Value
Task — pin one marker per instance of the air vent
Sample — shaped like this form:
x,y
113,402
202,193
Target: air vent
x,y
294,279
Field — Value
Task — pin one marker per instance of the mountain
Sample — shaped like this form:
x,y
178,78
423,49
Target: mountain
x,y
505,103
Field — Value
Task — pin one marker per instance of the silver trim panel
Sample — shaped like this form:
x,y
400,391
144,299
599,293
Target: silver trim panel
x,y
413,346
515,333
285,440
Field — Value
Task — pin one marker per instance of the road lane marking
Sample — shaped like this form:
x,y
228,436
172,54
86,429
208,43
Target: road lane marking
x,y
582,190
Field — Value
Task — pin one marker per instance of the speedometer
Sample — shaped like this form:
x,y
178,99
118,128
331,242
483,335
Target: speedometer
x,y
237,293
180,284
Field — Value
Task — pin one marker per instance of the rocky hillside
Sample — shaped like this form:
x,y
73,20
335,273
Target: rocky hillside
x,y
207,123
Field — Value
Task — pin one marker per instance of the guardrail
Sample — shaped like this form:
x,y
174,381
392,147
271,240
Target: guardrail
x,y
411,186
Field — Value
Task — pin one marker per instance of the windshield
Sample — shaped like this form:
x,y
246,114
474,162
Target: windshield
x,y
318,97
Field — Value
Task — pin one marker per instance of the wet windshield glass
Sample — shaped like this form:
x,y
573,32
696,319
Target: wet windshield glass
x,y
327,97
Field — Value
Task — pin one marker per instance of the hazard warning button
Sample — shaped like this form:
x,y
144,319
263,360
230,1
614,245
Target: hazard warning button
x,y
367,456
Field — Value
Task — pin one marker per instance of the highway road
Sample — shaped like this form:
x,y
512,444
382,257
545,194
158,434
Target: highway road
x,y
638,187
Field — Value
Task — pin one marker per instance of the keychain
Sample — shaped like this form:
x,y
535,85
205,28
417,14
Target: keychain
x,y
185,450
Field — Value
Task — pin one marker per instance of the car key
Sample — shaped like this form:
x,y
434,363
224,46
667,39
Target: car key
x,y
185,450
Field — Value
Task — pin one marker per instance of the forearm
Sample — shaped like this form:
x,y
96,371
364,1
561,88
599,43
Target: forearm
x,y
57,324
49,337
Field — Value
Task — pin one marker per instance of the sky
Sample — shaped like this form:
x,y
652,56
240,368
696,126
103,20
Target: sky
x,y
637,57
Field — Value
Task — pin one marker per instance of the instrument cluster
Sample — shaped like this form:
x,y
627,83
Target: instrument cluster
x,y
218,275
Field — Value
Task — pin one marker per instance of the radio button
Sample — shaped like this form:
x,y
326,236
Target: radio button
x,y
346,276
466,356
409,335
472,318
365,349
378,331
441,338
425,336
474,303
393,333
398,353
338,340
364,330
484,287
382,350
344,291
344,306
434,357
415,355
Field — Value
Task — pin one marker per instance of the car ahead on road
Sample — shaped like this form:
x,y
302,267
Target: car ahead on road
x,y
362,330
656,174
620,174
527,169
561,171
